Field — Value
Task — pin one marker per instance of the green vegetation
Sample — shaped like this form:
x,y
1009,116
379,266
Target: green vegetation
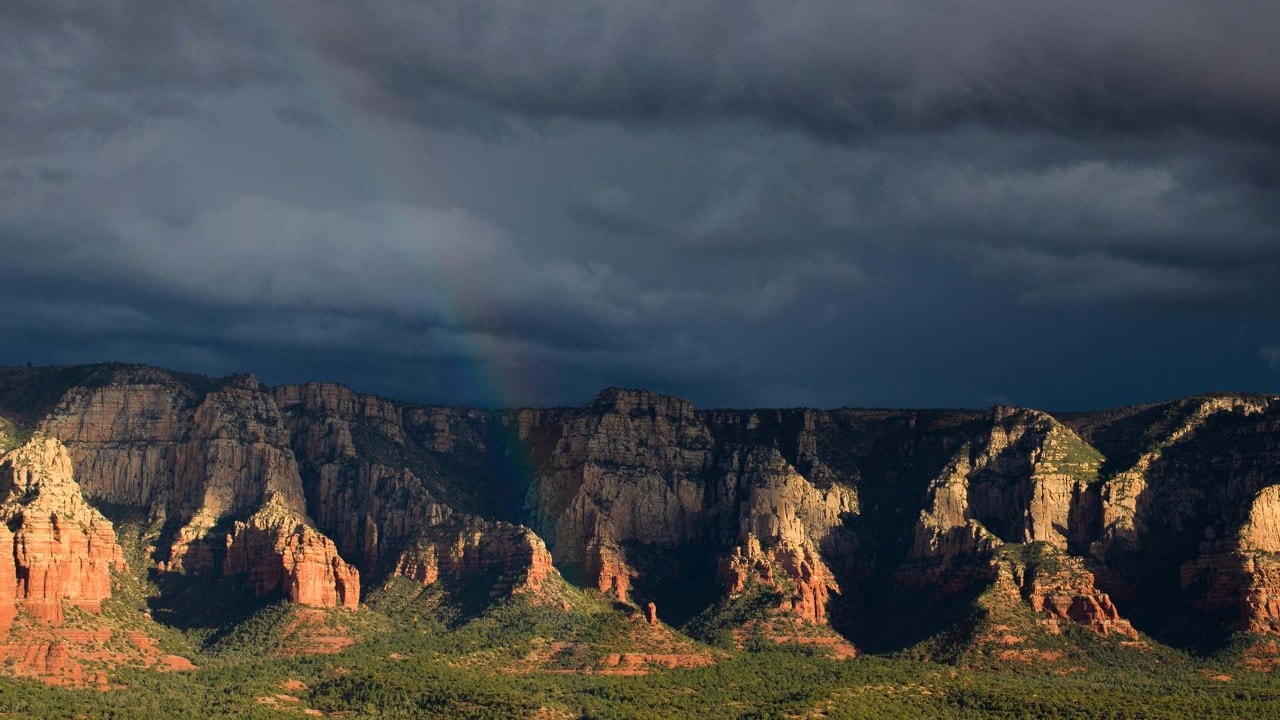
x,y
1039,556
417,656
12,436
397,675
439,653
1073,456
716,624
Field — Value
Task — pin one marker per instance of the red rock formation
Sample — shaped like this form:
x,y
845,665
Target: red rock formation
x,y
198,457
780,524
1024,476
74,657
651,614
331,398
8,580
538,566
202,456
371,504
1261,531
472,548
796,571
420,564
1260,600
813,583
605,564
1060,588
277,550
775,495
61,548
628,470
1257,565
1243,585
1069,600
1127,496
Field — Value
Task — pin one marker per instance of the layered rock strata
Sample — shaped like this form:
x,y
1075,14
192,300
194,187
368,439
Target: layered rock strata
x,y
54,547
308,490
213,462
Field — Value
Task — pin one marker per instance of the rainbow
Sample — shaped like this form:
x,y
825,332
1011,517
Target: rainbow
x,y
482,377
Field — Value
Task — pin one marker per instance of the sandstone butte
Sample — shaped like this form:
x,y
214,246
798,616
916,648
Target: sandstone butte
x,y
306,491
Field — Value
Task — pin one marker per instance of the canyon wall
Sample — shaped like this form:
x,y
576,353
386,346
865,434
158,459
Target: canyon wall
x,y
310,492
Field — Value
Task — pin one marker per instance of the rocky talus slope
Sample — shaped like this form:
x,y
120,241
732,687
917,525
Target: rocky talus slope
x,y
827,525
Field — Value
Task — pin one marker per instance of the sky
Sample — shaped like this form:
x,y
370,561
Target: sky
x,y
1064,205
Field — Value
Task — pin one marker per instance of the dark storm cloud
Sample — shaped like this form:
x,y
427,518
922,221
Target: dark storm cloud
x,y
1173,107
71,69
394,282
763,202
832,67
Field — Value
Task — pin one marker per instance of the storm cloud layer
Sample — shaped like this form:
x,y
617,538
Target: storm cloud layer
x,y
1060,204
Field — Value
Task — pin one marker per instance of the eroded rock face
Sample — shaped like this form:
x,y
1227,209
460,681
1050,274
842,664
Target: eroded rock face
x,y
8,580
1261,531
372,471
628,470
781,525
200,458
1251,573
375,499
291,488
1128,496
187,456
60,548
511,559
1025,481
605,566
1260,599
1063,591
277,550
1197,505
635,471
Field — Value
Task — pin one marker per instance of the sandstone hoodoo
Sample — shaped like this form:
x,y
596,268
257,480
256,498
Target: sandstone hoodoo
x,y
821,523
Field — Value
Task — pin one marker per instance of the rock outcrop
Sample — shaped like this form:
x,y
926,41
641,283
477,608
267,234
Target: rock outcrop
x,y
1239,577
8,580
1195,507
277,550
1026,485
629,470
56,547
1261,530
1026,480
1062,591
510,559
1127,496
782,522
